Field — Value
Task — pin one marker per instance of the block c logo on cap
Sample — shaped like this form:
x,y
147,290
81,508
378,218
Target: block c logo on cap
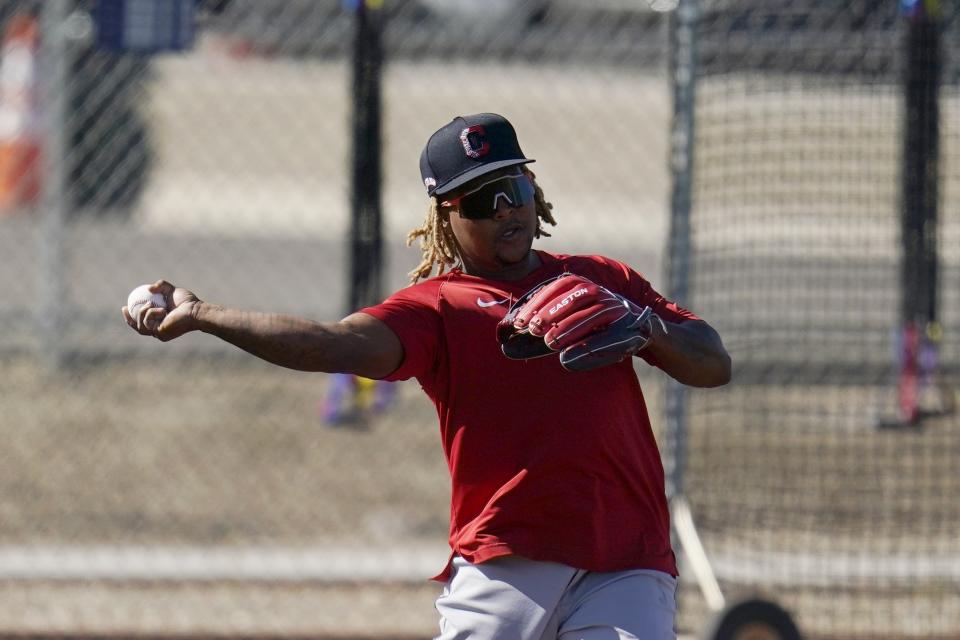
x,y
474,141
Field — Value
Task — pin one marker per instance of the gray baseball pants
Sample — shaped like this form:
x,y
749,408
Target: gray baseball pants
x,y
512,598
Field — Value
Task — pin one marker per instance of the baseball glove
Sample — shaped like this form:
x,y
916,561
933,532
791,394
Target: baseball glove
x,y
589,325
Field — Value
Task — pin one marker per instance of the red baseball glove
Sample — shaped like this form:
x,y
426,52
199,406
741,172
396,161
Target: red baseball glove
x,y
588,324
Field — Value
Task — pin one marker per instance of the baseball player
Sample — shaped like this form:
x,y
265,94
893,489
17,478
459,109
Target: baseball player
x,y
559,526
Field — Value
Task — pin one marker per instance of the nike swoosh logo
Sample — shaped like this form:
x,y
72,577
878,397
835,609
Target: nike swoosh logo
x,y
490,303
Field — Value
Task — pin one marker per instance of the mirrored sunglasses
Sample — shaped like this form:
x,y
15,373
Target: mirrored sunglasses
x,y
482,201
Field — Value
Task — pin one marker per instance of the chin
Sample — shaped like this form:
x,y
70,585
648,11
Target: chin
x,y
515,256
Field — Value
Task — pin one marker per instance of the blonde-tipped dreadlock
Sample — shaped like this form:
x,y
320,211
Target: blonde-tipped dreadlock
x,y
438,244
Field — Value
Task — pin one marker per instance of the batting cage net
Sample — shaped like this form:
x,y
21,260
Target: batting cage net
x,y
818,225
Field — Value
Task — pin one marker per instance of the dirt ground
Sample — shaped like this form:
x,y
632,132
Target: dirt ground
x,y
226,454
229,453
220,452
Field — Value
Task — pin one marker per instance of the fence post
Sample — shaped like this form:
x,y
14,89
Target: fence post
x,y
919,328
683,61
366,243
349,397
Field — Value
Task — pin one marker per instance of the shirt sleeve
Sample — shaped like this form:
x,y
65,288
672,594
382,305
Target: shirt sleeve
x,y
639,290
669,310
412,315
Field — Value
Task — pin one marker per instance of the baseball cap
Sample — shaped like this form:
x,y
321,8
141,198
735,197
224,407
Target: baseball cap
x,y
466,148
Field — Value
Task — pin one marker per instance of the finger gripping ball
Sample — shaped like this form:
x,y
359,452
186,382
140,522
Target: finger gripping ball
x,y
143,297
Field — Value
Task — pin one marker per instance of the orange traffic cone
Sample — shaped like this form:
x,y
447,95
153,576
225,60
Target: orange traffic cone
x,y
19,145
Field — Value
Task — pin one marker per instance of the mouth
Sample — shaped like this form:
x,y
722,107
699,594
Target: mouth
x,y
511,231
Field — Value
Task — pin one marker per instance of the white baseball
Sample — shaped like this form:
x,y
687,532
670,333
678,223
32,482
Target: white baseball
x,y
141,296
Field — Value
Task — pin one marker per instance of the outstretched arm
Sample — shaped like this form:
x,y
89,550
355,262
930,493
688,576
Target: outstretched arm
x,y
358,344
691,352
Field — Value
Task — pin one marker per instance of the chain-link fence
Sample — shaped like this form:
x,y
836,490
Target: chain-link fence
x,y
187,488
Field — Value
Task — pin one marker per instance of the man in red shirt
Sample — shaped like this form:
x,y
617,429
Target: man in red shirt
x,y
559,525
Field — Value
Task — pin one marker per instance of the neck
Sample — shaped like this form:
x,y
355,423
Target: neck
x,y
506,272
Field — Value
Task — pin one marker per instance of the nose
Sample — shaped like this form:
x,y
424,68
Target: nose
x,y
504,208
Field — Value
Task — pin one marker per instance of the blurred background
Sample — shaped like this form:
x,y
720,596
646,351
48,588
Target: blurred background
x,y
789,169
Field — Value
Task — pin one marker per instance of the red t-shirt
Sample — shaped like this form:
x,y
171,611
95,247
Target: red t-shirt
x,y
545,464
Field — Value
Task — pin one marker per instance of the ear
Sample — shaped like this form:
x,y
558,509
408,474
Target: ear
x,y
442,211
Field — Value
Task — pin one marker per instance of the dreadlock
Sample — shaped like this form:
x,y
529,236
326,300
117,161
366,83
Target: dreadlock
x,y
438,244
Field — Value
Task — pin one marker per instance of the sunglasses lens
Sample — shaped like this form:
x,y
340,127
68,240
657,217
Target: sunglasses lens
x,y
515,190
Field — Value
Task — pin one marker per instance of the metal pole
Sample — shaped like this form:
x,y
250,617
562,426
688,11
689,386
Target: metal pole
x,y
366,255
919,331
920,165
683,62
343,406
683,72
54,65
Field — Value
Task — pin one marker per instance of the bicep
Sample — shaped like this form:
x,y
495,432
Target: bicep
x,y
375,351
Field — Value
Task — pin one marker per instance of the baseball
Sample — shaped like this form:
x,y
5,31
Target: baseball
x,y
142,296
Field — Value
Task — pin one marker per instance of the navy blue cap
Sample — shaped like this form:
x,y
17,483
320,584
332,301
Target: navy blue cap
x,y
467,148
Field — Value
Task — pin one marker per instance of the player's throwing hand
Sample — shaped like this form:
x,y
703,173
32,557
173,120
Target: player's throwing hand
x,y
177,318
